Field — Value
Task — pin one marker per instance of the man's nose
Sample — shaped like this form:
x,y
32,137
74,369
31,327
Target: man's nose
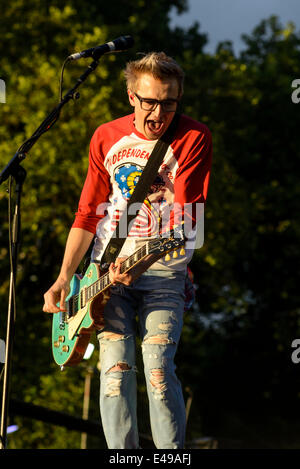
x,y
158,111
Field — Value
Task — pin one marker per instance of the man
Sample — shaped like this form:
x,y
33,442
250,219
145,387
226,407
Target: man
x,y
154,289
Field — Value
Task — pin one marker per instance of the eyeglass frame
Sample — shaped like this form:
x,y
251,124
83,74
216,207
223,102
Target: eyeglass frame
x,y
156,102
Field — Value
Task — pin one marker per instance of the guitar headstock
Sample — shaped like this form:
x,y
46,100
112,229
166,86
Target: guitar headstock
x,y
170,241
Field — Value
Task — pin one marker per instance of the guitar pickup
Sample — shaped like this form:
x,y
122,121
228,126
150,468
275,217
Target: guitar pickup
x,y
70,307
83,299
64,316
62,319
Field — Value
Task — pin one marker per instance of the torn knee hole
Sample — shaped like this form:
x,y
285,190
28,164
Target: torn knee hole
x,y
113,387
157,379
120,366
158,339
113,336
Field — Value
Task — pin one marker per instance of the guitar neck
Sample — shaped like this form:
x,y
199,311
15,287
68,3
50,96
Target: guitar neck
x,y
104,281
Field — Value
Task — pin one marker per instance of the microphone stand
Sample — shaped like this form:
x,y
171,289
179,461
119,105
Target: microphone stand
x,y
14,170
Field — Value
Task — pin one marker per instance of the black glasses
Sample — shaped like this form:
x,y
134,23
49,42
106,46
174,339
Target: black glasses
x,y
147,104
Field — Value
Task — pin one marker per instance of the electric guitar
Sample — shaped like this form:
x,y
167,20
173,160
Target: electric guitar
x,y
72,329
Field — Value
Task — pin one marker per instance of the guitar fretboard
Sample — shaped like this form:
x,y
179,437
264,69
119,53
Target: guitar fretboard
x,y
104,281
160,245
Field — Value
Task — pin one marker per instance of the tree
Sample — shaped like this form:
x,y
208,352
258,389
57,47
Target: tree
x,y
236,343
35,40
248,293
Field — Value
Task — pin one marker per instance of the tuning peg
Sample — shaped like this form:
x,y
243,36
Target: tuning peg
x,y
175,254
182,252
167,258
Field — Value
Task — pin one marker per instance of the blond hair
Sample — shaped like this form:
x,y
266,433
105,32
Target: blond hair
x,y
157,64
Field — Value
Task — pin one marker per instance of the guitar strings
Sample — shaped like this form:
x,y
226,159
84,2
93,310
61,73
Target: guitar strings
x,y
139,253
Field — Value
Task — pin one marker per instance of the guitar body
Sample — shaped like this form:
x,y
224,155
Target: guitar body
x,y
71,331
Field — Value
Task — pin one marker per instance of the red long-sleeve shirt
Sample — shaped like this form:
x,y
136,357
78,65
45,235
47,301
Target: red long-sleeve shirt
x,y
118,154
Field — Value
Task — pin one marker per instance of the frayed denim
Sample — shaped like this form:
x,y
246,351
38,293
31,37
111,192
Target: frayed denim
x,y
157,300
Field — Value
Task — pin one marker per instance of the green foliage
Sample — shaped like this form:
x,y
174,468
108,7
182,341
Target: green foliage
x,y
235,346
248,268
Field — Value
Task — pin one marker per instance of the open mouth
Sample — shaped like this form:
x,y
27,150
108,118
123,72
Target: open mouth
x,y
155,126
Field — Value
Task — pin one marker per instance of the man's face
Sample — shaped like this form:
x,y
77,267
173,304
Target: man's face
x,y
153,124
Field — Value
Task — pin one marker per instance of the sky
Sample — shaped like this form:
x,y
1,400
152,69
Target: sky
x,y
225,20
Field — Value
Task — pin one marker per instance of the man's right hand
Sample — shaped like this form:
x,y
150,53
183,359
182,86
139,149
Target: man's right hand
x,y
57,294
77,245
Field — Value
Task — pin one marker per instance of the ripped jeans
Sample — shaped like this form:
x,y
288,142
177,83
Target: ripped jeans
x,y
157,299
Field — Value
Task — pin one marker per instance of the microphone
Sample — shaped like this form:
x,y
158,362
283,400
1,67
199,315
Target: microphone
x,y
119,44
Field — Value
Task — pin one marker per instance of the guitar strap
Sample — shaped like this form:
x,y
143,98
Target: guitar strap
x,y
140,192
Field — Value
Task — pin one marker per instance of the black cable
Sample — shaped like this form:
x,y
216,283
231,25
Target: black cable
x,y
61,79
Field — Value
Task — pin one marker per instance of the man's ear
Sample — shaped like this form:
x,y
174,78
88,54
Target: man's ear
x,y
131,97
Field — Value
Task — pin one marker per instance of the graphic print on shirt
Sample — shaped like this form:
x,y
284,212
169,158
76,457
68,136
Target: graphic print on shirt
x,y
146,223
185,170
